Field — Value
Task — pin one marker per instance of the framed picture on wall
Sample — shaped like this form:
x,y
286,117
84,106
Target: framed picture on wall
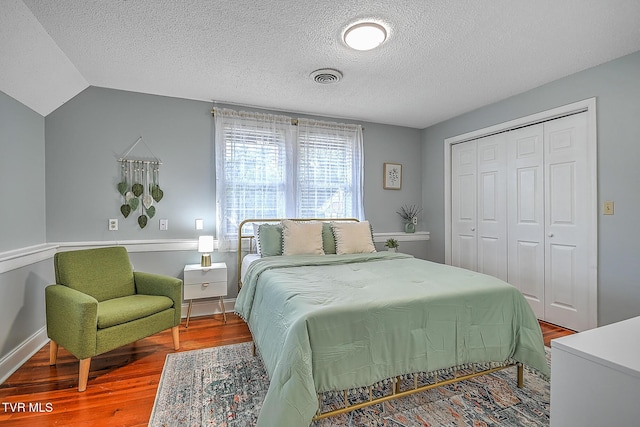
x,y
392,176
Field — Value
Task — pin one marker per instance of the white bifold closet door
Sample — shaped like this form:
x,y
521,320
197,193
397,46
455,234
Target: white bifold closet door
x,y
479,222
548,219
520,212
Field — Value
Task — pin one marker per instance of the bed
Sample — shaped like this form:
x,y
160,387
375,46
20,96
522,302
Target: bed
x,y
342,328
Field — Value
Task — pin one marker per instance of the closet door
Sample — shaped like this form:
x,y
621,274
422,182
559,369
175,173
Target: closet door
x,y
526,220
463,205
492,207
567,196
479,227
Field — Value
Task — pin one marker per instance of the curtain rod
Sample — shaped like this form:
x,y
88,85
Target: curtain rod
x,y
294,122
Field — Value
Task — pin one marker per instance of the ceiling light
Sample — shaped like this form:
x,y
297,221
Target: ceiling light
x,y
365,35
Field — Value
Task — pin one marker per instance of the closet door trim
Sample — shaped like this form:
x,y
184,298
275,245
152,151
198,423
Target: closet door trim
x,y
587,105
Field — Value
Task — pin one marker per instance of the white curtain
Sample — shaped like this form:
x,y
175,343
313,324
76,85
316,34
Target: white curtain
x,y
251,169
330,168
268,168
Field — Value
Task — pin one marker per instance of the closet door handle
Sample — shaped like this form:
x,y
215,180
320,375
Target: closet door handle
x,y
550,234
473,229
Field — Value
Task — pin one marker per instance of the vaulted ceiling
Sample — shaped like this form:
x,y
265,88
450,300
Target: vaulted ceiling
x,y
442,58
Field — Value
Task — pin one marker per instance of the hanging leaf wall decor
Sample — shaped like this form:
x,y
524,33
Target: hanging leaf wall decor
x,y
126,210
139,186
147,201
122,187
157,193
134,203
137,189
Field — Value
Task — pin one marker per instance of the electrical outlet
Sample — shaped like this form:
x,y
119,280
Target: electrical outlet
x,y
608,208
164,224
113,225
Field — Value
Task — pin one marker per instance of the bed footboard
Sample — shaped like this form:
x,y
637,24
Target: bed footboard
x,y
336,403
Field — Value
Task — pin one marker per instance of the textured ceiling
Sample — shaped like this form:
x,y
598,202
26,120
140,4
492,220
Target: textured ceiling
x,y
442,58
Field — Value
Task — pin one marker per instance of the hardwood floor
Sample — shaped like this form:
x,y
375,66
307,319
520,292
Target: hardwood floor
x,y
551,331
122,383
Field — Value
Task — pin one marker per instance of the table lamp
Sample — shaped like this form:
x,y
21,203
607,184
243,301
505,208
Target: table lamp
x,y
205,247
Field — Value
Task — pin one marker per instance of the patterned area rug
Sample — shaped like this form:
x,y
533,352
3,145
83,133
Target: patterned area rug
x,y
225,386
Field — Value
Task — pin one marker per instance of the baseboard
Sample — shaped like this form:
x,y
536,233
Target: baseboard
x,y
14,360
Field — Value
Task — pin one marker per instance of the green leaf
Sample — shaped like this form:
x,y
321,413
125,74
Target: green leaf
x,y
142,221
134,203
122,187
125,209
151,211
137,189
157,193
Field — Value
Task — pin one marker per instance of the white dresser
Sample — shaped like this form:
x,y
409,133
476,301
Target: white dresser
x,y
595,377
205,282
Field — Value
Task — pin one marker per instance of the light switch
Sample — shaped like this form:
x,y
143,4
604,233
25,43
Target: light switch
x,y
608,208
164,224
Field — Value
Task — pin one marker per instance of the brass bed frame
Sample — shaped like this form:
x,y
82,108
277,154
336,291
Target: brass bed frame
x,y
392,388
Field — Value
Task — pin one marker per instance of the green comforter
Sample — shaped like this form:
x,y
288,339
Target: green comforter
x,y
334,322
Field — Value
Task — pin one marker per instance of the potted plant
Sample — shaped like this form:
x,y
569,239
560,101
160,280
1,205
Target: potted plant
x,y
392,245
409,215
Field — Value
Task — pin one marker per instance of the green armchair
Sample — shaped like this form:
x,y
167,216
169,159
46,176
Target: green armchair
x,y
99,303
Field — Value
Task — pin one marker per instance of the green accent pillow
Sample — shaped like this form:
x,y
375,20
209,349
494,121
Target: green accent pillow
x,y
270,239
328,241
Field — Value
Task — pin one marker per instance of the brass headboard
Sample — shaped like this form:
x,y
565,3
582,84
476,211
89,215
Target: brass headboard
x,y
262,221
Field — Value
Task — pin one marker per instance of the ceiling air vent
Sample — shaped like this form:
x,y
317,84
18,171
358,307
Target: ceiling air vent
x,y
326,76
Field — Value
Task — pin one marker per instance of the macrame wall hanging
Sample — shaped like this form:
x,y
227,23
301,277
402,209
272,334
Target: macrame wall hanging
x,y
139,185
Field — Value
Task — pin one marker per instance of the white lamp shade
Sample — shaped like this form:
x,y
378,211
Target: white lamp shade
x,y
205,244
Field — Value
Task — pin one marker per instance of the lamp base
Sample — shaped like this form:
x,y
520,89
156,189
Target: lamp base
x,y
205,261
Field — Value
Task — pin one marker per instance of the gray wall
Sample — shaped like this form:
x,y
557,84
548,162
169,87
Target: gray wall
x,y
22,311
87,135
22,193
22,221
616,85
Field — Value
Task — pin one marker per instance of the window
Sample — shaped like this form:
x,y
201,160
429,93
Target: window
x,y
328,166
268,168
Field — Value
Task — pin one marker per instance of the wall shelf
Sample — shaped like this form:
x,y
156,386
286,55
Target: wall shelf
x,y
401,236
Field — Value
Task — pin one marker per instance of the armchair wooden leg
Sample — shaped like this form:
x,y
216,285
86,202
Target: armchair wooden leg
x,y
176,337
53,352
83,377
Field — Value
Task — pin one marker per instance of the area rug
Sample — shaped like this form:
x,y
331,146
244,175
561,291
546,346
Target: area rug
x,y
225,386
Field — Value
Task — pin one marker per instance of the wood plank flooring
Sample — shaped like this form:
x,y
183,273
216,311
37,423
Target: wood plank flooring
x,y
122,383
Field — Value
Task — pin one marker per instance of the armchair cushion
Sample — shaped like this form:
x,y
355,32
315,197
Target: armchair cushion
x,y
103,273
125,309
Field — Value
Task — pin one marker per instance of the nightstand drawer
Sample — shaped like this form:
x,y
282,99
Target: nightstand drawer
x,y
204,290
204,275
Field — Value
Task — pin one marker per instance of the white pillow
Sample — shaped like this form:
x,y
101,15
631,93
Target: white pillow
x,y
301,238
353,237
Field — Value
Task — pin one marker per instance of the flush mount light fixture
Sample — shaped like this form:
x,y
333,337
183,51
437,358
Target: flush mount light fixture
x,y
365,35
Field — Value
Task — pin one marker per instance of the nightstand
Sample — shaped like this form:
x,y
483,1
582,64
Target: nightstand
x,y
205,282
